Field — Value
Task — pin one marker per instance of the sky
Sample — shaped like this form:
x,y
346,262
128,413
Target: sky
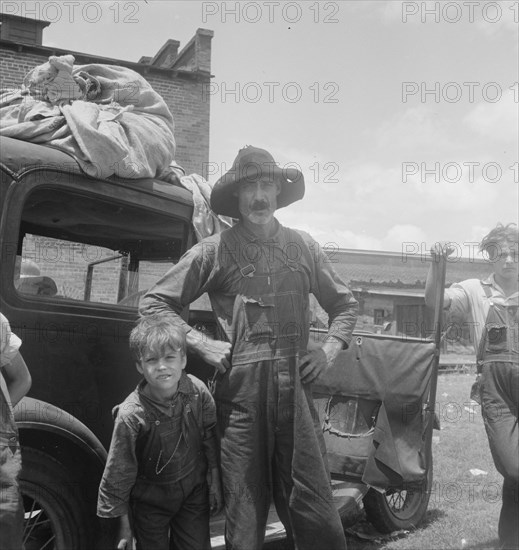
x,y
402,116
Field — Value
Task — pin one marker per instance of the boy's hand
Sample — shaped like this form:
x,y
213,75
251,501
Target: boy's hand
x,y
215,492
125,536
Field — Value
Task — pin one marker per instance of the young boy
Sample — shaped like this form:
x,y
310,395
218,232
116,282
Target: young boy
x,y
15,382
162,446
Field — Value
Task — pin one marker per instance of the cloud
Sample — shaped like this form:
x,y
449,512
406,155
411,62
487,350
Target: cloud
x,y
330,234
454,187
350,239
401,233
391,11
489,18
414,128
497,18
376,210
370,205
497,121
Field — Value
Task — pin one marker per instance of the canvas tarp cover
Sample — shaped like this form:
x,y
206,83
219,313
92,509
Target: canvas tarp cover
x,y
107,116
396,373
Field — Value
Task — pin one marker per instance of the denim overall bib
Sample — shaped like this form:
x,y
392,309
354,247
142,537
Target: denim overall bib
x,y
270,437
172,470
500,340
498,363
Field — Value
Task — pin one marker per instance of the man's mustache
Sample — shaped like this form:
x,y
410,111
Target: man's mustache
x,y
259,205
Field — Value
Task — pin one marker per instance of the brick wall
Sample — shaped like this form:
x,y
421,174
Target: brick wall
x,y
191,113
66,263
15,65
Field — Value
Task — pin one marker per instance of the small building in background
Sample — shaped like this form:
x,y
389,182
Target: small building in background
x,y
390,288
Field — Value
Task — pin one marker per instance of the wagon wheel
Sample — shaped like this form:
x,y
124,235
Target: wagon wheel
x,y
398,509
403,508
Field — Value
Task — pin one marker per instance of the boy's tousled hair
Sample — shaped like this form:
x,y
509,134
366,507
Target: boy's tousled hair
x,y
499,235
156,333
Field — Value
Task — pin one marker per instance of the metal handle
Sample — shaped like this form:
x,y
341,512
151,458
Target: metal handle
x,y
439,286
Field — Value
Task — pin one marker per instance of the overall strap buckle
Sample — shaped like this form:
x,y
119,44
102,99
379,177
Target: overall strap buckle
x,y
248,270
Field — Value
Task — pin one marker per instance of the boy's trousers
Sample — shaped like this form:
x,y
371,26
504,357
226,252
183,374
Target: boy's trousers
x,y
170,500
181,506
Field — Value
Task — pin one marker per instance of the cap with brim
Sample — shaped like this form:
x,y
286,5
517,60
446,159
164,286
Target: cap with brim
x,y
39,286
31,282
251,164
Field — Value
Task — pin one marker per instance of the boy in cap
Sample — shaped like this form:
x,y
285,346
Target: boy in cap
x,y
162,447
259,275
491,307
15,382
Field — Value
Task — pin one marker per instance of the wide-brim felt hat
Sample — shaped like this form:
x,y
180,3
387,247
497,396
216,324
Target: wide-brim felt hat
x,y
251,164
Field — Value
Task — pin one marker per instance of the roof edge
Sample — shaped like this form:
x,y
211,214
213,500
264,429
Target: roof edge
x,y
143,68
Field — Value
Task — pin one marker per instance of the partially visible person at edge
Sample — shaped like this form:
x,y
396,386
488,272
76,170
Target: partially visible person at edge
x,y
163,454
15,382
259,275
491,306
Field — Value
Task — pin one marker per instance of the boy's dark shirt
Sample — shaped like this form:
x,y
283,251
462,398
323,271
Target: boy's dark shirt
x,y
133,420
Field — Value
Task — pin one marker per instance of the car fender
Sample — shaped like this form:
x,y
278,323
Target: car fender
x,y
36,416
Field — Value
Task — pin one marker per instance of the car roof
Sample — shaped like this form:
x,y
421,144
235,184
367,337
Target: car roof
x,y
18,158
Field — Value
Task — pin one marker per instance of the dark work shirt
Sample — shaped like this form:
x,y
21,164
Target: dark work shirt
x,y
204,268
133,418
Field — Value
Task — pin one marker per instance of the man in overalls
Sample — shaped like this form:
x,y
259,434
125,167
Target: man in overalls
x,y
491,305
259,275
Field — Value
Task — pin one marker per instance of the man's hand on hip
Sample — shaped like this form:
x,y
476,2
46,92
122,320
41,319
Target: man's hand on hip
x,y
312,365
217,353
318,360
214,352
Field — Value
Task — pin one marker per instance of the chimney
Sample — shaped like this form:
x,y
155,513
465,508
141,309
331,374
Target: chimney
x,y
196,55
22,29
203,49
167,55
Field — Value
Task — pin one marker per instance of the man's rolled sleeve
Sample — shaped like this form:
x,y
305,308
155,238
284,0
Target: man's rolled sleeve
x,y
335,298
120,471
459,306
179,287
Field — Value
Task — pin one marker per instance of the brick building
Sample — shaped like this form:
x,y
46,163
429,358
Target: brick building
x,y
180,77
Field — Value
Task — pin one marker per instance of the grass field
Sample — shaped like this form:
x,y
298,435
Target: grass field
x,y
464,507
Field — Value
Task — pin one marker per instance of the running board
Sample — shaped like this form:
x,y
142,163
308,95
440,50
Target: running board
x,y
347,497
